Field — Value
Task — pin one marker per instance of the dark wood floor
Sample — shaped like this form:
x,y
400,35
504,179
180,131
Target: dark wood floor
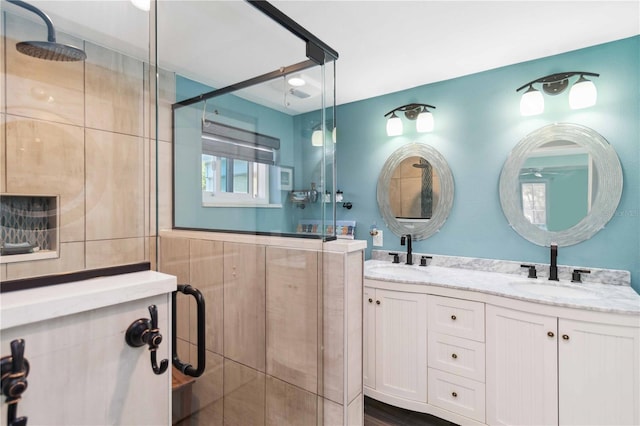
x,y
377,413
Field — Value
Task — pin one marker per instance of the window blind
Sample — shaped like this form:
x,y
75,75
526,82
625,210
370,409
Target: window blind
x,y
226,141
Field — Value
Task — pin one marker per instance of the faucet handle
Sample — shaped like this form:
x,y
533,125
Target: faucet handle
x,y
423,260
396,257
575,276
532,270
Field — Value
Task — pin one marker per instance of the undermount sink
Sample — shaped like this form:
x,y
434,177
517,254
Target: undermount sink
x,y
555,290
400,271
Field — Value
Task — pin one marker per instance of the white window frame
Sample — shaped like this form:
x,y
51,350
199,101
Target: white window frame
x,y
258,191
530,213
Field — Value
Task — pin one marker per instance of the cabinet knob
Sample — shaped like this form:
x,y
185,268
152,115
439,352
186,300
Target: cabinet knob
x,y
565,337
454,356
370,300
550,334
453,317
454,394
377,302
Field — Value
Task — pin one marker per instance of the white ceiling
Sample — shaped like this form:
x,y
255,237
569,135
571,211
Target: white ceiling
x,y
384,46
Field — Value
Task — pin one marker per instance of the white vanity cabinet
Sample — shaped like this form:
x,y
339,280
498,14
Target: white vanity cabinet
x,y
456,356
546,370
395,355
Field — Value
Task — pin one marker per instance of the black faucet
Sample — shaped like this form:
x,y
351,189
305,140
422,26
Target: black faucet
x,y
553,265
406,239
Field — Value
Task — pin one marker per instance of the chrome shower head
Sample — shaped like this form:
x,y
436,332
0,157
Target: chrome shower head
x,y
48,50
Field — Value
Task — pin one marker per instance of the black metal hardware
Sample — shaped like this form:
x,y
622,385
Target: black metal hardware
x,y
575,276
553,263
406,240
550,334
14,371
370,300
145,332
347,205
186,368
377,302
453,317
396,257
532,270
423,260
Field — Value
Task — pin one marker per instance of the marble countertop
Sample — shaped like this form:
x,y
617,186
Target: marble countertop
x,y
590,296
39,304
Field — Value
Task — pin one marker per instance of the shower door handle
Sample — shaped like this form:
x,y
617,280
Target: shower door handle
x,y
186,368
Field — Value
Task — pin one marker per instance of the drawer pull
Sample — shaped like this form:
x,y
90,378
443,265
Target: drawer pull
x,y
454,356
377,302
453,317
565,337
370,300
454,394
550,334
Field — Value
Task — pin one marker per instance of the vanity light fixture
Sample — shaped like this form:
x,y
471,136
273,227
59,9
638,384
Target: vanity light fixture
x,y
316,136
583,92
418,112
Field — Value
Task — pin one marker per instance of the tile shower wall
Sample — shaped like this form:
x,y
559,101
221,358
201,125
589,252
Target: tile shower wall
x,y
81,130
275,331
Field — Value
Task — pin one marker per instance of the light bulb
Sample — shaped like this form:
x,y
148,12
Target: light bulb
x,y
394,125
425,121
583,94
296,81
142,4
316,138
532,102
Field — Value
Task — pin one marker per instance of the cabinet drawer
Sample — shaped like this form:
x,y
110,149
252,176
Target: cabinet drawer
x,y
456,317
456,355
458,394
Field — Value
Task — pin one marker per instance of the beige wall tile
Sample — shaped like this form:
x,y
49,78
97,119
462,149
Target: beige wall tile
x,y
167,97
332,413
114,87
174,260
333,333
354,285
47,90
104,253
206,263
289,405
355,412
2,74
244,395
56,153
292,316
151,251
3,272
147,189
165,186
114,176
209,387
71,259
3,163
244,304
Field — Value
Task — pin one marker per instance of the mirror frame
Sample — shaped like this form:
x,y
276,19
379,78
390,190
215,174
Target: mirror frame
x,y
609,184
420,229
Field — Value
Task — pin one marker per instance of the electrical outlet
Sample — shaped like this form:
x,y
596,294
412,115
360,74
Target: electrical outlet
x,y
377,239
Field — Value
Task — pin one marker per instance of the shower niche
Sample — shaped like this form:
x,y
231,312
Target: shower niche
x,y
29,227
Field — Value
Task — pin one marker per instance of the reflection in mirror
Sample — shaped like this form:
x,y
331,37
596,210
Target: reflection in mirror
x,y
415,191
556,185
561,183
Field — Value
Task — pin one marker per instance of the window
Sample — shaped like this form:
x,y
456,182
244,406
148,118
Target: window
x,y
229,181
235,165
534,202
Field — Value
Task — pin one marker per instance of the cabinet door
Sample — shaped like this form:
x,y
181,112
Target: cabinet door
x,y
401,344
369,338
522,368
599,374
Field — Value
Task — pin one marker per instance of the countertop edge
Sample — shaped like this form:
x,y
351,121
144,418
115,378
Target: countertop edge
x,y
39,304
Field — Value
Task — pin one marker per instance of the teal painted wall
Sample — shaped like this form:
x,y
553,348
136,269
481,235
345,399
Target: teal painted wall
x,y
189,212
477,124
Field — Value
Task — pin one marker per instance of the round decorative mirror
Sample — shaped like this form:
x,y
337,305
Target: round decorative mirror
x,y
561,184
415,191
